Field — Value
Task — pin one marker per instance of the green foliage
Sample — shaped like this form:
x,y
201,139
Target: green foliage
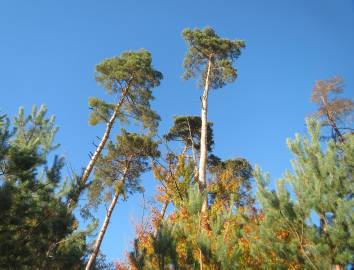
x,y
36,129
131,74
34,220
187,130
204,46
306,223
120,169
315,225
195,200
101,111
130,68
5,135
36,230
137,256
231,182
164,245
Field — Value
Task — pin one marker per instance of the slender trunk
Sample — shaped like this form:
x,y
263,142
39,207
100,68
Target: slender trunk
x,y
104,226
102,232
162,213
200,260
335,128
193,151
99,148
331,120
204,139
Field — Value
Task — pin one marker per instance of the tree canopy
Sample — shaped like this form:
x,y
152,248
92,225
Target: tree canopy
x,y
36,231
220,213
205,45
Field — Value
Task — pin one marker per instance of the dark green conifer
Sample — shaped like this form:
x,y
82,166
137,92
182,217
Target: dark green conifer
x,y
36,230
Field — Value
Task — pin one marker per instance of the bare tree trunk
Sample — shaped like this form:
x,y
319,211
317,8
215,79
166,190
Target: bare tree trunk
x,y
104,226
162,213
193,150
99,148
200,260
204,139
332,122
102,232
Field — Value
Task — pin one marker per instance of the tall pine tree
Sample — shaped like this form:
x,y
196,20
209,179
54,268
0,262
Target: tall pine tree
x,y
211,58
36,230
130,77
117,174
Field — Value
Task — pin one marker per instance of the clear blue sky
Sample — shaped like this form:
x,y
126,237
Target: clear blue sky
x,y
48,50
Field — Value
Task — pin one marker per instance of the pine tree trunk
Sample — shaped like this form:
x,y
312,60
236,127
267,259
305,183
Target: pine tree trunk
x,y
204,139
200,260
162,213
102,233
104,226
99,148
193,151
332,122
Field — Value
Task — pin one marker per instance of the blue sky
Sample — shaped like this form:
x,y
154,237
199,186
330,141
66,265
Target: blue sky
x,y
49,49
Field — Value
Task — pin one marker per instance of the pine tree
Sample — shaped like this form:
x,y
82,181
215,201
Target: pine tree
x,y
180,242
311,227
231,181
131,77
331,110
118,172
211,58
187,129
36,230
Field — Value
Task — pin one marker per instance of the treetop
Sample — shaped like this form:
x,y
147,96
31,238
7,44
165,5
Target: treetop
x,y
131,68
204,46
187,129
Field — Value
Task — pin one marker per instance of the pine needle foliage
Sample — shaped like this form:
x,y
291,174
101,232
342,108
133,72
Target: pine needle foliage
x,y
131,77
314,224
131,72
210,58
127,158
204,45
187,130
35,227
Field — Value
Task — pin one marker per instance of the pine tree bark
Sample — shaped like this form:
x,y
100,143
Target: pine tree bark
x,y
330,118
104,226
333,124
193,151
162,213
99,148
204,138
200,260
